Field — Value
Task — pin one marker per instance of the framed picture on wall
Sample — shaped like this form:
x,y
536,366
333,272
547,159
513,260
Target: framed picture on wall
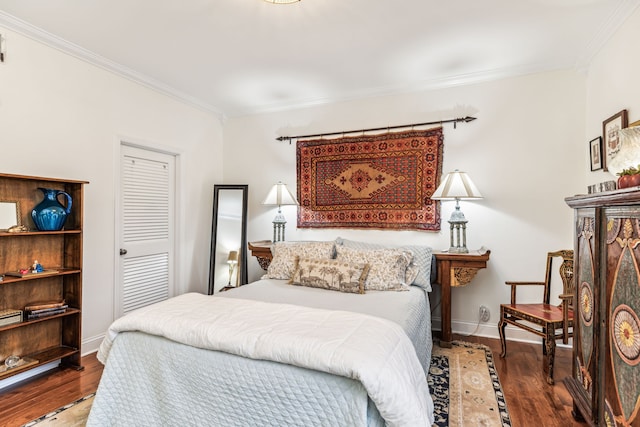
x,y
595,150
610,139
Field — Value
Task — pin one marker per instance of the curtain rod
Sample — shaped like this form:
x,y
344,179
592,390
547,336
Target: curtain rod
x,y
454,121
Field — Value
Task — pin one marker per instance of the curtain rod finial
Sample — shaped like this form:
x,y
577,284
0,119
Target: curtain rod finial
x,y
284,138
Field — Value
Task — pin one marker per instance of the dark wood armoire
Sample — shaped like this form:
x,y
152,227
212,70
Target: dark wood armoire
x,y
605,380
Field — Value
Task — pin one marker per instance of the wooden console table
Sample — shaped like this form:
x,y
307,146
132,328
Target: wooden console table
x,y
453,270
262,251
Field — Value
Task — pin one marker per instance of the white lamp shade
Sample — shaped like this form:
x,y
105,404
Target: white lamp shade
x,y
456,185
279,195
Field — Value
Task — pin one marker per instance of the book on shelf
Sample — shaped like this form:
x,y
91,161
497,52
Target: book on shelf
x,y
9,312
46,310
10,316
10,321
31,316
44,304
29,273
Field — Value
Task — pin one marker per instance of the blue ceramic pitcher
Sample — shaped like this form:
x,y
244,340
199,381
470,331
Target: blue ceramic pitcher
x,y
50,214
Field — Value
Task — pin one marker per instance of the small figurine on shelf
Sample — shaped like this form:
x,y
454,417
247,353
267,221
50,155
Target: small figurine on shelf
x,y
12,362
36,267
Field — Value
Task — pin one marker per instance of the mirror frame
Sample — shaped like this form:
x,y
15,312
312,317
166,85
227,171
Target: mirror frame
x,y
242,264
18,221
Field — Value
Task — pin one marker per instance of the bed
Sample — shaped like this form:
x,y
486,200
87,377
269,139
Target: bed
x,y
270,354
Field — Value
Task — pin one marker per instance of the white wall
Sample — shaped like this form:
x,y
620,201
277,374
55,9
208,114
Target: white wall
x,y
62,117
612,85
525,153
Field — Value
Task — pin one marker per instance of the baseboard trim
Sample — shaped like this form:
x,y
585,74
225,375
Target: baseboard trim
x,y
92,344
489,330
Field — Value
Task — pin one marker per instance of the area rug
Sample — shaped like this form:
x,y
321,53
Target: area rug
x,y
463,383
74,414
380,181
465,387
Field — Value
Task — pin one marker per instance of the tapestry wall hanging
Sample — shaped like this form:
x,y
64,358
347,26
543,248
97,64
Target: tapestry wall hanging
x,y
372,181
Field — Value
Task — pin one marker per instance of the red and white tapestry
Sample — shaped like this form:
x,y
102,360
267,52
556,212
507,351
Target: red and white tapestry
x,y
376,181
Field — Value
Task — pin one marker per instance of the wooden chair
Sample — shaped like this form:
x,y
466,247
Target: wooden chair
x,y
548,321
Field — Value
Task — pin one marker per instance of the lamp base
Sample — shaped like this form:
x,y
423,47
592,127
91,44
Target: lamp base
x,y
232,267
278,227
458,237
278,232
457,215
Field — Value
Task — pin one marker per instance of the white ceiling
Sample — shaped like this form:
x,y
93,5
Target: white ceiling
x,y
241,57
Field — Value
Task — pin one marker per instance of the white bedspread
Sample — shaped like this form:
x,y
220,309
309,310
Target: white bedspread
x,y
408,309
372,350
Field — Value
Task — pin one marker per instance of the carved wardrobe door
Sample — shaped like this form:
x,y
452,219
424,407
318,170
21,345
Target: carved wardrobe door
x,y
621,373
585,336
606,344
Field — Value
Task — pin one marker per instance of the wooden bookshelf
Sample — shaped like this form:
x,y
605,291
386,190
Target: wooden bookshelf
x,y
56,337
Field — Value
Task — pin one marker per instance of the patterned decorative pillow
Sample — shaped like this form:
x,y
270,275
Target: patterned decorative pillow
x,y
421,260
388,266
330,274
284,256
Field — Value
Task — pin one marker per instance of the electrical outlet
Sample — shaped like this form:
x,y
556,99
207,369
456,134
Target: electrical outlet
x,y
485,314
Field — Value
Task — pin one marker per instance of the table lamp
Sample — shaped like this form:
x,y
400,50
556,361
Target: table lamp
x,y
279,195
232,260
457,185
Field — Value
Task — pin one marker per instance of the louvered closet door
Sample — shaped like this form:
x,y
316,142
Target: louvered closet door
x,y
146,237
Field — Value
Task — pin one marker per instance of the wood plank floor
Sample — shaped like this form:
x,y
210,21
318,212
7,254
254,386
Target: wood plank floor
x,y
531,402
31,399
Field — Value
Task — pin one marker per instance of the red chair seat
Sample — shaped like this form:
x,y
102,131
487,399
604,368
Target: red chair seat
x,y
547,313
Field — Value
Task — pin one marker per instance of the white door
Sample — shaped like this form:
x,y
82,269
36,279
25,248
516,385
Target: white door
x,y
146,228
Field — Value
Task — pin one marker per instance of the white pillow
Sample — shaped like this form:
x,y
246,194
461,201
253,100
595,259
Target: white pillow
x,y
421,259
388,267
283,263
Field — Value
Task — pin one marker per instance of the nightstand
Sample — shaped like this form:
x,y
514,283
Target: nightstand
x,y
455,270
262,251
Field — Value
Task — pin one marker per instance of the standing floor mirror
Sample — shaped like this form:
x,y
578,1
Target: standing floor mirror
x,y
228,237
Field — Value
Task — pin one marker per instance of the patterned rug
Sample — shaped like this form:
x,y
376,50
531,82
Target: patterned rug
x,y
74,414
465,387
372,181
462,380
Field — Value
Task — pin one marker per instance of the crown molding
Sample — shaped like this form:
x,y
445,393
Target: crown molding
x,y
603,34
415,87
578,63
19,26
